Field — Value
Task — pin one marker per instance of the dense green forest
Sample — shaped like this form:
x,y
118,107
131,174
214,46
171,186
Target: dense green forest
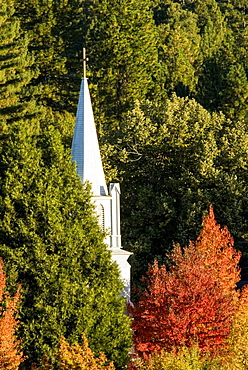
x,y
169,87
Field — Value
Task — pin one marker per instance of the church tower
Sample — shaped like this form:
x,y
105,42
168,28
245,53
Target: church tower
x,y
86,154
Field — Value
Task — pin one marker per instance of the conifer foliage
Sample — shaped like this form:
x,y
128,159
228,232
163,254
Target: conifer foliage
x,y
10,354
15,65
53,246
50,238
194,300
125,37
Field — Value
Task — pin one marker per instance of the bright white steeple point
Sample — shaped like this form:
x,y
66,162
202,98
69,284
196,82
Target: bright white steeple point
x,y
85,147
86,154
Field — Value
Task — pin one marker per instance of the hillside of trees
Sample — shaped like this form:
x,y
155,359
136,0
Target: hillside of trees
x,y
169,87
168,81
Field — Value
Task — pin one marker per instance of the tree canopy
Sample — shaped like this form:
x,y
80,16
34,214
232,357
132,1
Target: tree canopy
x,y
192,302
174,161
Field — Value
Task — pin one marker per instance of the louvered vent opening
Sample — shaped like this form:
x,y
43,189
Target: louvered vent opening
x,y
100,213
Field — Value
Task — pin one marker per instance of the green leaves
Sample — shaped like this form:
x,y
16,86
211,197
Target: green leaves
x,y
173,156
175,160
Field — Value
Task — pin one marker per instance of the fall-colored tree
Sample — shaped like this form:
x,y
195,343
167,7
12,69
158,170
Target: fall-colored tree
x,y
194,300
233,356
80,357
76,357
10,354
183,359
236,354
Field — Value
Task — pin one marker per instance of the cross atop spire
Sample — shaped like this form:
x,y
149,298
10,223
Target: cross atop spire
x,y
86,154
84,62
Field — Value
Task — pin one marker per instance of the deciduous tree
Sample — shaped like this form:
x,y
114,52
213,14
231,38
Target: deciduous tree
x,y
10,354
195,300
179,158
236,354
80,357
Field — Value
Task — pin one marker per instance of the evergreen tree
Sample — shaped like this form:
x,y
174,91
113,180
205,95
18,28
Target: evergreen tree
x,y
212,26
223,80
49,235
15,67
38,21
54,248
179,48
121,40
54,29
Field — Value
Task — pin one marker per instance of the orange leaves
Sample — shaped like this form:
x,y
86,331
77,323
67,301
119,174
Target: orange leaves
x,y
10,354
78,357
194,300
217,246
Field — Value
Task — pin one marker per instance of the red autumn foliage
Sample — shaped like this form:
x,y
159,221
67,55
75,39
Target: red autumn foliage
x,y
194,300
10,355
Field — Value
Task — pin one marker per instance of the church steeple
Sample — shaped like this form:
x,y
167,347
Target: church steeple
x,y
86,154
85,147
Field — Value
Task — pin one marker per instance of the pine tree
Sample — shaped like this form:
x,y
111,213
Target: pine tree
x,y
38,20
15,68
179,48
126,63
212,26
54,248
223,79
50,238
55,42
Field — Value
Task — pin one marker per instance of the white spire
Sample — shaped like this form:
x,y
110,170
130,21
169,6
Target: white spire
x,y
85,147
86,154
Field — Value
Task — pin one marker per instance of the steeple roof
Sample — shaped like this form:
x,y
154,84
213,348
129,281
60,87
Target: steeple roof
x,y
85,147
